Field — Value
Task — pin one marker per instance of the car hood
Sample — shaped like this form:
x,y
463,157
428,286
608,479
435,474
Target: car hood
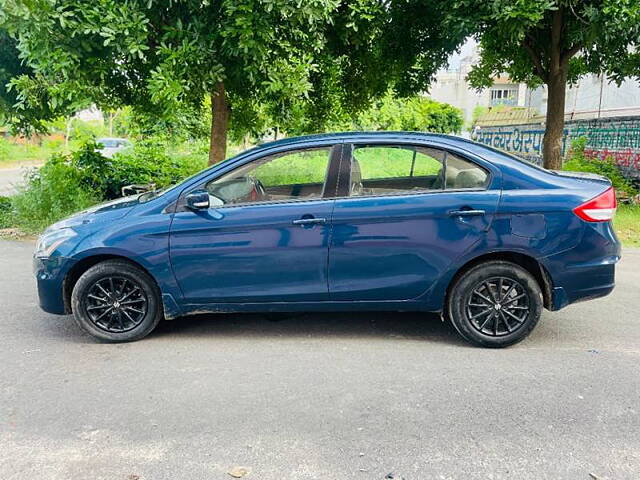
x,y
120,206
103,212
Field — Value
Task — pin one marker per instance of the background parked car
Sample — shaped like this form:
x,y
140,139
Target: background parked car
x,y
111,146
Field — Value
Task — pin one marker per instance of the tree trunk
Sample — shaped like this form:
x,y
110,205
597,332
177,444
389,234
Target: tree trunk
x,y
67,133
219,125
552,144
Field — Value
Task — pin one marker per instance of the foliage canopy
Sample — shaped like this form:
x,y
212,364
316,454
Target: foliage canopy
x,y
553,42
286,63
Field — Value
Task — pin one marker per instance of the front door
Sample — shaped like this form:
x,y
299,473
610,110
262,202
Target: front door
x,y
265,237
408,213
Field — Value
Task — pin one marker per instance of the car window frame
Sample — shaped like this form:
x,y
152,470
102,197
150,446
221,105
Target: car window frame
x,y
330,181
349,147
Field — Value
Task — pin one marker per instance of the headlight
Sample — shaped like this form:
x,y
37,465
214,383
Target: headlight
x,y
49,241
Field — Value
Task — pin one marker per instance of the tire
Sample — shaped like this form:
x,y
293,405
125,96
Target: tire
x,y
96,297
508,318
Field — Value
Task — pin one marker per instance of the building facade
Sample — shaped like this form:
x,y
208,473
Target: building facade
x,y
592,97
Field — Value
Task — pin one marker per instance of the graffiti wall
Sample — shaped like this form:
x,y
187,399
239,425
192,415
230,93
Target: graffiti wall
x,y
618,138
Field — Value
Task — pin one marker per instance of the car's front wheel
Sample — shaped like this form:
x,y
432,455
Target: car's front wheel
x,y
495,304
116,301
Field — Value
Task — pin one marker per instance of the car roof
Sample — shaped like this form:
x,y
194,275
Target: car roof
x,y
363,135
472,146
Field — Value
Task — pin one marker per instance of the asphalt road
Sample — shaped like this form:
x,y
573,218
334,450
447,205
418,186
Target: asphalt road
x,y
319,396
13,175
9,177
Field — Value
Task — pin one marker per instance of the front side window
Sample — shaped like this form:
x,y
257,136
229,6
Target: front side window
x,y
297,175
386,170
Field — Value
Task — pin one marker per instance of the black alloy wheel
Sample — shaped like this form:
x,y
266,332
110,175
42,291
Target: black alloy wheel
x,y
116,301
495,303
116,304
498,306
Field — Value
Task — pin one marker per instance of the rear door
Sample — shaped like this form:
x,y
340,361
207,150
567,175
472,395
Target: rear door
x,y
406,214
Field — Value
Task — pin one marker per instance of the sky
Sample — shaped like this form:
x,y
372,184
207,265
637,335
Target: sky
x,y
467,49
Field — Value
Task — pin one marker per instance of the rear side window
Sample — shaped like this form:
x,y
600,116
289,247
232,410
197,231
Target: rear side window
x,y
462,173
391,169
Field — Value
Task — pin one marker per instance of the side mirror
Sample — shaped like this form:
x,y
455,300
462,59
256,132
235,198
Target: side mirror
x,y
198,200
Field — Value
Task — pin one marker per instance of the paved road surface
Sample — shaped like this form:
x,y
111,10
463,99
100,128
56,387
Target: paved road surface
x,y
10,176
327,397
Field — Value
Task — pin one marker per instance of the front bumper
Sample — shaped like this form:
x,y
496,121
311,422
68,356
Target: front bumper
x,y
50,274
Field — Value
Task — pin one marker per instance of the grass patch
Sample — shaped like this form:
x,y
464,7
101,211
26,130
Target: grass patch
x,y
627,225
19,153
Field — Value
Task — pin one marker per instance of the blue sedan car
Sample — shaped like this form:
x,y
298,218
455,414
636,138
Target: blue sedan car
x,y
351,221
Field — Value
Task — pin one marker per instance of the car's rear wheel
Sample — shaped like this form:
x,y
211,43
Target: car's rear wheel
x,y
116,301
495,304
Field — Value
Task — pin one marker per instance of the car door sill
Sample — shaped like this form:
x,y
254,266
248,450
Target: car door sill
x,y
237,307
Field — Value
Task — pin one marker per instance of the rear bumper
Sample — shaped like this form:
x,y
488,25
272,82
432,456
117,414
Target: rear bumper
x,y
586,271
50,274
591,283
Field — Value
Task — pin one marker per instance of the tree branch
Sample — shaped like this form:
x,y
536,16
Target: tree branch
x,y
569,53
535,58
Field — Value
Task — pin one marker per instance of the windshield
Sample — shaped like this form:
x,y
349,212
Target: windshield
x,y
146,196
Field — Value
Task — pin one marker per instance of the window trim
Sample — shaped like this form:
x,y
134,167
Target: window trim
x,y
335,158
351,147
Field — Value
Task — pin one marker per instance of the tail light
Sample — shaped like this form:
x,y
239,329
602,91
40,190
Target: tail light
x,y
598,209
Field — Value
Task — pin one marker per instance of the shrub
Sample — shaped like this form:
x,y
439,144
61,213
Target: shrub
x,y
149,162
415,114
50,194
68,183
6,212
578,162
93,169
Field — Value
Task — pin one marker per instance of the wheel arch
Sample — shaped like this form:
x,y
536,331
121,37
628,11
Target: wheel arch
x,y
84,264
529,263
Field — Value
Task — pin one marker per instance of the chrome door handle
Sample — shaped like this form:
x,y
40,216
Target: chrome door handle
x,y
466,213
309,221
